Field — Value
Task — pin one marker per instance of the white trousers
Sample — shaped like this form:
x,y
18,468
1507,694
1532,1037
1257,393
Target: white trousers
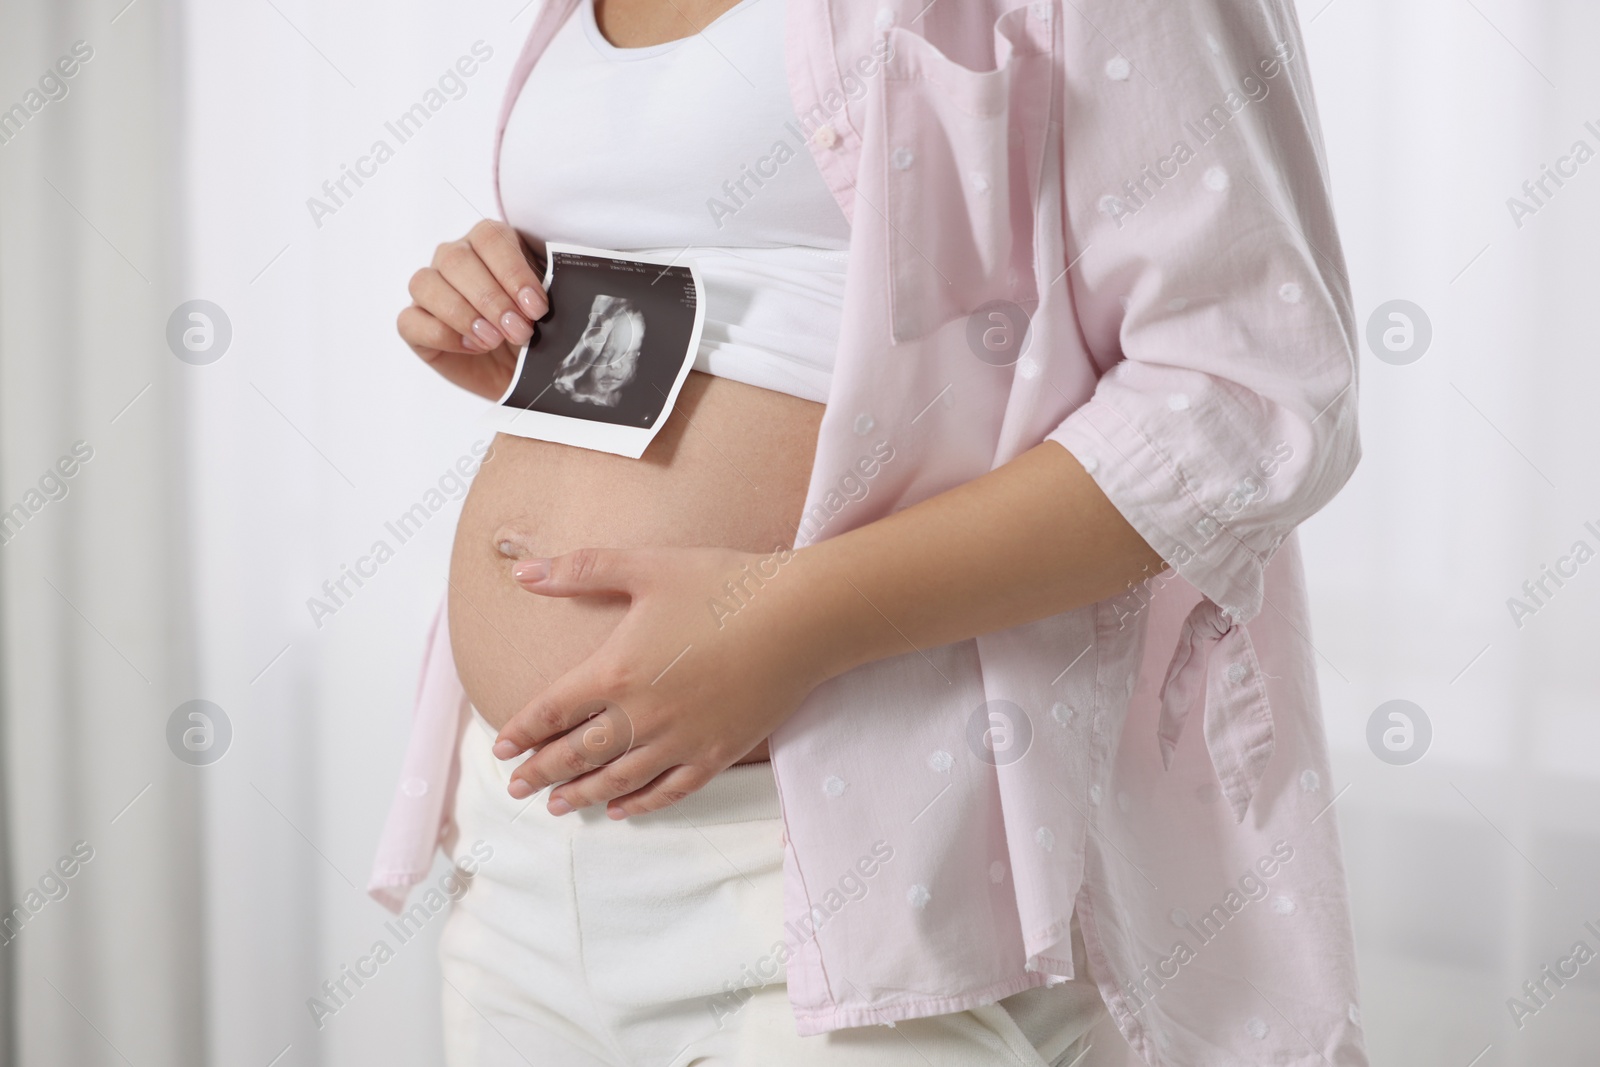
x,y
583,942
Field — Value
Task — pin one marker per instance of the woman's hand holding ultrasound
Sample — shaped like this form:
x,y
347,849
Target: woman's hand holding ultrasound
x,y
473,308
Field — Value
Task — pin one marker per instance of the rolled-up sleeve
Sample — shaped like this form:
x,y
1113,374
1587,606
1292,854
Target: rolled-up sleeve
x,y
1208,281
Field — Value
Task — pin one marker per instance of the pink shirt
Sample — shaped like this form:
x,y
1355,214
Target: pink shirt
x,y
1155,761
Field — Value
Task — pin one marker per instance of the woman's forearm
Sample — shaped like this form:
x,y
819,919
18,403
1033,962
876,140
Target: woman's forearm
x,y
1032,538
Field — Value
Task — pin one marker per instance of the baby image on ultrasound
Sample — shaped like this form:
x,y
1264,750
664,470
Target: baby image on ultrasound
x,y
607,361
606,357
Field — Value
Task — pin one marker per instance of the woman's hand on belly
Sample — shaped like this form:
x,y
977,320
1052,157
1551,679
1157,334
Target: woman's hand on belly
x,y
694,676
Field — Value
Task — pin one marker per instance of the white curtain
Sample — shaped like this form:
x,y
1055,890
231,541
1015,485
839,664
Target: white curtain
x,y
104,896
181,166
1475,867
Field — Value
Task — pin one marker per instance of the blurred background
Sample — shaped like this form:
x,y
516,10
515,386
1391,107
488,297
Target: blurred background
x,y
189,475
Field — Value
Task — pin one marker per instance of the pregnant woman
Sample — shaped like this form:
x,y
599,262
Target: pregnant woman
x,y
861,698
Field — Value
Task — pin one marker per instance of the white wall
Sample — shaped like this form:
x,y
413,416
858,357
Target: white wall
x,y
316,428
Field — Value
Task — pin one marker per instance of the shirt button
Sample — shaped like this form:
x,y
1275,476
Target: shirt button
x,y
980,182
825,137
864,423
1236,672
902,159
414,787
884,19
1090,463
1094,794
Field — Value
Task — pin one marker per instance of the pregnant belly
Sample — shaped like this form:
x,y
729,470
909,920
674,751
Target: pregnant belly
x,y
729,469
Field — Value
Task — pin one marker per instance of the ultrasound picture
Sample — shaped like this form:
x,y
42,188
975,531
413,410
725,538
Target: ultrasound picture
x,y
606,362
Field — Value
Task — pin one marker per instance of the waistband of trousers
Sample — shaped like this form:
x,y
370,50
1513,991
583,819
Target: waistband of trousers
x,y
745,792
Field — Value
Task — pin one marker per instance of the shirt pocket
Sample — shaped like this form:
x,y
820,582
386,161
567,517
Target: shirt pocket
x,y
960,157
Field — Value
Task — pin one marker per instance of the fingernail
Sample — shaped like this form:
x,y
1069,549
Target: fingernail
x,y
483,331
470,343
534,304
531,570
515,327
559,807
505,749
519,789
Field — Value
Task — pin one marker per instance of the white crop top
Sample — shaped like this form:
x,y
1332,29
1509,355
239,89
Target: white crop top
x,y
692,143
